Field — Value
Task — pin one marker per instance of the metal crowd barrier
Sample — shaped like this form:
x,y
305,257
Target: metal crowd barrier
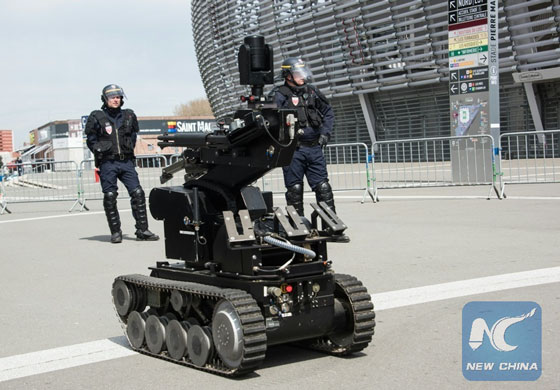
x,y
347,165
148,168
427,162
40,182
529,157
174,158
3,202
525,157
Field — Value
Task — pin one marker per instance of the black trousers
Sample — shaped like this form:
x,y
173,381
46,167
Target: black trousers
x,y
308,161
123,170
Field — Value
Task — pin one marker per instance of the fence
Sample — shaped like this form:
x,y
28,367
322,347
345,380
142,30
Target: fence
x,y
525,157
148,169
3,203
41,182
347,165
529,158
434,162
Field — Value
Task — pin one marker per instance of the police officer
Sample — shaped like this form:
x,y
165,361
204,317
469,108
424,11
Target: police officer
x,y
111,136
316,118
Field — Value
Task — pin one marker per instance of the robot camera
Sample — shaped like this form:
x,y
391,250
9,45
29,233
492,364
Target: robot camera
x,y
255,64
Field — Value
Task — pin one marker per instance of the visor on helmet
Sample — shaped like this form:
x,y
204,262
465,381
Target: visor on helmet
x,y
301,72
297,69
113,90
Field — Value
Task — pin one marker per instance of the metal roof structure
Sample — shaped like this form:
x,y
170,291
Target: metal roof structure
x,y
388,55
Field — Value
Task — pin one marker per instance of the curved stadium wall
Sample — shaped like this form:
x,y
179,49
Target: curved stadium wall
x,y
391,52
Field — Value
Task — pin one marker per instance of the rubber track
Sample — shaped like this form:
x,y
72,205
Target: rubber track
x,y
363,314
254,330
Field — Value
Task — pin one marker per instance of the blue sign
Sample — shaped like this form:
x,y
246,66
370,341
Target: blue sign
x,y
84,121
502,341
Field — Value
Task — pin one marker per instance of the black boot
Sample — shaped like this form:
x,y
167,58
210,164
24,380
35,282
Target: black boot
x,y
138,204
323,193
112,213
116,238
294,197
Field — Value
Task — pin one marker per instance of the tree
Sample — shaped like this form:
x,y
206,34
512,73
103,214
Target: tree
x,y
196,107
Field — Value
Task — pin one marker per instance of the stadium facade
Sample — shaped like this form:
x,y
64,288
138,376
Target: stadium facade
x,y
383,63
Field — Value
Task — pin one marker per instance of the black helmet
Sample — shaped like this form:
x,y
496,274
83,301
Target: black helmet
x,y
110,91
295,66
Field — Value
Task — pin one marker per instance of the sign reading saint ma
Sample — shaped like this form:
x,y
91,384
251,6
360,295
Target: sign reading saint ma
x,y
174,125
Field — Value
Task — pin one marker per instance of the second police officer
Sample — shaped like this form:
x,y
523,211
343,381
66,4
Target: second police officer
x,y
316,118
111,136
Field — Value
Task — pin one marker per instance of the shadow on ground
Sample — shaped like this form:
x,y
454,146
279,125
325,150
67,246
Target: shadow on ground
x,y
107,238
278,355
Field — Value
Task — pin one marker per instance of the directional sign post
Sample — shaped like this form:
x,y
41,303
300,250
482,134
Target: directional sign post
x,y
473,86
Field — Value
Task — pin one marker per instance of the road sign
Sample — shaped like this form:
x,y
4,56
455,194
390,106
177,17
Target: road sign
x,y
463,30
474,86
473,75
471,13
454,89
453,18
473,37
471,17
470,50
454,76
468,61
84,121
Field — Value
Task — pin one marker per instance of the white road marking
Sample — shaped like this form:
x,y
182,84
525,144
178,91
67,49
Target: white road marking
x,y
58,216
311,195
381,197
438,292
41,362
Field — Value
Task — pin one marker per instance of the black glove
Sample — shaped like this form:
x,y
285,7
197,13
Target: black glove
x,y
323,140
97,159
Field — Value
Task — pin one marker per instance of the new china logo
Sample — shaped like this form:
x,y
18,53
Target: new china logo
x,y
502,341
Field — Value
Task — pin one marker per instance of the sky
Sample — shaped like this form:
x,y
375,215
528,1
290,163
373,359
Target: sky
x,y
57,55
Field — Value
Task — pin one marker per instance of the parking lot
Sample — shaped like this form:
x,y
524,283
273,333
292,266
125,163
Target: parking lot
x,y
422,253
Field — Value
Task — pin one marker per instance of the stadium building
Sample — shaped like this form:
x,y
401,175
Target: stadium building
x,y
383,63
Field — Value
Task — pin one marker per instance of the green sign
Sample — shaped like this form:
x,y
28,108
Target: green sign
x,y
470,50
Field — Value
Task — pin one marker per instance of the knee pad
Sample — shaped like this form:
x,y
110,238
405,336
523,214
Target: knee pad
x,y
137,193
110,199
294,197
323,188
294,194
323,193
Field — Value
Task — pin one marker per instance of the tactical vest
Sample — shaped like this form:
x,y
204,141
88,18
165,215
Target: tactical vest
x,y
115,142
305,104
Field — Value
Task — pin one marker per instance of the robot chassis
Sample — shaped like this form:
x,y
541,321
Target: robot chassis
x,y
249,275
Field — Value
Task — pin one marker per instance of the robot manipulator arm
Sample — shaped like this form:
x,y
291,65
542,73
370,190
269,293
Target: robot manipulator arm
x,y
189,165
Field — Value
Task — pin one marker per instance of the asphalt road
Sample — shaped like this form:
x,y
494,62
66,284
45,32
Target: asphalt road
x,y
57,270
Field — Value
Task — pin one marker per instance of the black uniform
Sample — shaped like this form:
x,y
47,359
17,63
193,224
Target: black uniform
x,y
111,136
316,118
